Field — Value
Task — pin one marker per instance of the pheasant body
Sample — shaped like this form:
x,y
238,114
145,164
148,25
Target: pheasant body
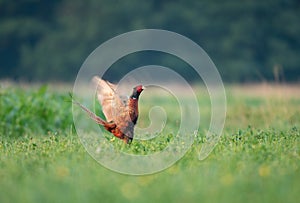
x,y
121,115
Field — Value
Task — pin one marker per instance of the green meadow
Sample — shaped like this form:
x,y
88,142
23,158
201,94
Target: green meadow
x,y
257,158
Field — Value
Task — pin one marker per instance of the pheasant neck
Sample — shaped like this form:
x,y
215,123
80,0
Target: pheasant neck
x,y
135,95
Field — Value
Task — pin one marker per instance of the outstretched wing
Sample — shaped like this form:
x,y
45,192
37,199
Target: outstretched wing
x,y
111,102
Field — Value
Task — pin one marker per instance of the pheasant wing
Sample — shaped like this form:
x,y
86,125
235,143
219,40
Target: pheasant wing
x,y
111,102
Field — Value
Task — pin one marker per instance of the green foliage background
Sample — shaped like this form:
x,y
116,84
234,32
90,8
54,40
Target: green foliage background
x,y
257,158
248,40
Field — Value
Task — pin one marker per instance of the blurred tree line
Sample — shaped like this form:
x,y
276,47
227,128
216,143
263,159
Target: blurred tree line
x,y
249,40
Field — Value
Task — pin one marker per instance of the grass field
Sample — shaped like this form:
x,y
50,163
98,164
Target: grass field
x,y
256,160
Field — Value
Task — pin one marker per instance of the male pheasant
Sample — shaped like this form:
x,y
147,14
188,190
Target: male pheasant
x,y
121,114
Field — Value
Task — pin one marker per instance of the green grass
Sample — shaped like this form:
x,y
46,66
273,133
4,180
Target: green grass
x,y
256,160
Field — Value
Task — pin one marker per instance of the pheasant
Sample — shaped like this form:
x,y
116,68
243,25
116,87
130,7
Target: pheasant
x,y
121,114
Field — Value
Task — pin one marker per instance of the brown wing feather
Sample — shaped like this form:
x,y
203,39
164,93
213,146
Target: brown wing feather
x,y
112,105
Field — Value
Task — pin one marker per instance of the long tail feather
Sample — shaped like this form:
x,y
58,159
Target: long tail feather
x,y
91,114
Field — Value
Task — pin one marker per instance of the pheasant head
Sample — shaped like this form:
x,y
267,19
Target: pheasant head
x,y
137,91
